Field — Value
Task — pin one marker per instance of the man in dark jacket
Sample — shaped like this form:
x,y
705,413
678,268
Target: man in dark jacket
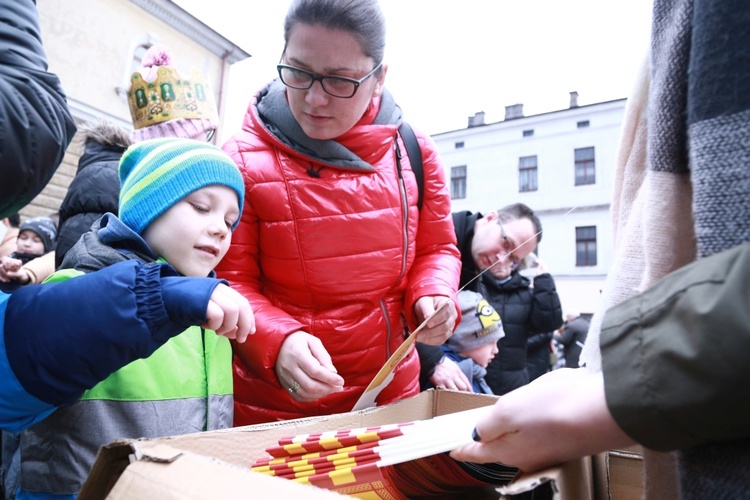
x,y
496,242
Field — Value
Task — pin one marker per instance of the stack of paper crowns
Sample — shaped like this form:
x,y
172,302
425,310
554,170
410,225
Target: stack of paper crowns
x,y
168,97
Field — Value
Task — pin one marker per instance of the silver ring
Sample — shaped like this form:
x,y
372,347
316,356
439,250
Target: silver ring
x,y
294,388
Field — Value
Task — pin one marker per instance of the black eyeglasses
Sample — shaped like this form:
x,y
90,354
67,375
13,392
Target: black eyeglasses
x,y
508,246
337,86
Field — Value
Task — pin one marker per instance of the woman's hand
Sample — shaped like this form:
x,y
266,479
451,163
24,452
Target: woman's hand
x,y
560,416
305,369
440,326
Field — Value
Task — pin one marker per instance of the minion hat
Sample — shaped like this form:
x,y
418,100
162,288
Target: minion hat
x,y
45,228
157,173
480,323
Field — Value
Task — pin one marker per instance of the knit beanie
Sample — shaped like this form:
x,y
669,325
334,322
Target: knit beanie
x,y
157,173
45,228
188,113
480,323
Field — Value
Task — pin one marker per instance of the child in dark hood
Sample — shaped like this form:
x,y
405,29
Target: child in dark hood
x,y
36,237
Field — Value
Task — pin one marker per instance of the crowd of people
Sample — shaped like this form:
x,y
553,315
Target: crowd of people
x,y
315,232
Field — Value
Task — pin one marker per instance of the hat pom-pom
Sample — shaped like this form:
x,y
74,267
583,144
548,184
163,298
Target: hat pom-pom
x,y
157,55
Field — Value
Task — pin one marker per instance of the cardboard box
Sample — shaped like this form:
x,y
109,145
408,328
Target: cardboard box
x,y
618,474
216,464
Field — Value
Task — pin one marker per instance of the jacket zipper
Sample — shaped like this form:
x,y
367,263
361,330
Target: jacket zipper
x,y
405,232
404,208
388,330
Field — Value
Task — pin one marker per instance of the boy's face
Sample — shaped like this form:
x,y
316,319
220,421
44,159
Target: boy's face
x,y
482,355
195,233
29,242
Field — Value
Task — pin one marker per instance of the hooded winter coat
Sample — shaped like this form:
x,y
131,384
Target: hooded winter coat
x,y
95,189
185,386
331,242
46,336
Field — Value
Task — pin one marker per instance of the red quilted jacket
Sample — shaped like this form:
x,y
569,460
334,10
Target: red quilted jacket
x,y
340,254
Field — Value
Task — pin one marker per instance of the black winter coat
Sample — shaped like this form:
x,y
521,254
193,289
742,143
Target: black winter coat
x,y
538,351
93,192
35,123
524,311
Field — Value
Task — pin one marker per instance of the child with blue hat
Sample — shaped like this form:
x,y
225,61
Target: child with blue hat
x,y
180,200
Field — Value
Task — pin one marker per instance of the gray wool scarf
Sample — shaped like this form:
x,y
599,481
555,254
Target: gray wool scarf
x,y
274,112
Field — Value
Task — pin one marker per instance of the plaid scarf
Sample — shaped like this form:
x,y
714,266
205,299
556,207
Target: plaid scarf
x,y
682,189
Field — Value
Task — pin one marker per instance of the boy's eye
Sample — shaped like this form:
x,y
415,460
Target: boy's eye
x,y
199,208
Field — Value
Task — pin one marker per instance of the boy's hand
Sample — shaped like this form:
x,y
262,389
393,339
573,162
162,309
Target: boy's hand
x,y
229,314
448,375
9,266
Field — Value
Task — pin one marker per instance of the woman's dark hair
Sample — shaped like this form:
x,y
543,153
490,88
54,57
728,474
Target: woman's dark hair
x,y
362,18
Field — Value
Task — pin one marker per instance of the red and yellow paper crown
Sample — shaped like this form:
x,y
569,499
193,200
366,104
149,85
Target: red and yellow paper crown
x,y
168,97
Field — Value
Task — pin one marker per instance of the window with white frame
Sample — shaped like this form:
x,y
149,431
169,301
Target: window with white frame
x,y
585,165
458,182
527,174
138,53
586,246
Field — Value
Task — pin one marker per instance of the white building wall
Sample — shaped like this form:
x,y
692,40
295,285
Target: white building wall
x,y
491,155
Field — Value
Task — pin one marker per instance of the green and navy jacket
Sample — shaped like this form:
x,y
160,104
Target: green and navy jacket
x,y
52,349
184,387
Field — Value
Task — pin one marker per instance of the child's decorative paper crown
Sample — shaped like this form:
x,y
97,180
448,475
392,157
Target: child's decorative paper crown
x,y
168,97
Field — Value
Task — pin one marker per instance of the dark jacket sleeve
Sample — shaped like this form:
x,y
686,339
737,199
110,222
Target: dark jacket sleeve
x,y
675,357
63,338
546,315
539,340
429,357
35,123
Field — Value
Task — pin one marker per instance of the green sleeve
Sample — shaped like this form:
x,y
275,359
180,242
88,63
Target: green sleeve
x,y
675,358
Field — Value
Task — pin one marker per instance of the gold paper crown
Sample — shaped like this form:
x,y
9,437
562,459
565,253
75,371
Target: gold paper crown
x,y
168,97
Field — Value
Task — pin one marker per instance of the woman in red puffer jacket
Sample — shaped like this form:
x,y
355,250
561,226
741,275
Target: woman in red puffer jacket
x,y
334,255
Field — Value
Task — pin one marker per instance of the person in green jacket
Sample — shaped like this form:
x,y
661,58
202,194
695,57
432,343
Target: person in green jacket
x,y
179,203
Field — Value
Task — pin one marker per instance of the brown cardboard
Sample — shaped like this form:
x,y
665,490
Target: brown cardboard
x,y
619,474
216,464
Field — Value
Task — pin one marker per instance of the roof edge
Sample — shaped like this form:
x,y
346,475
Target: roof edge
x,y
192,27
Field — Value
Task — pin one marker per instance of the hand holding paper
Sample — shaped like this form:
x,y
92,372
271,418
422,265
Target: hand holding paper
x,y
440,321
385,375
305,368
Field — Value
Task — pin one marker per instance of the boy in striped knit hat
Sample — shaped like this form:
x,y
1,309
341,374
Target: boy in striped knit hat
x,y
179,203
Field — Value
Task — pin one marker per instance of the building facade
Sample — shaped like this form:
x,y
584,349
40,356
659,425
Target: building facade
x,y
562,165
94,46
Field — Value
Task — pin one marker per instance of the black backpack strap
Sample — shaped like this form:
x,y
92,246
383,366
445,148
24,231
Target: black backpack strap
x,y
414,152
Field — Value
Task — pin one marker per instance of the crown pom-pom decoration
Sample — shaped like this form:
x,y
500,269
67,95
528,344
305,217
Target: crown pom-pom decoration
x,y
168,95
157,55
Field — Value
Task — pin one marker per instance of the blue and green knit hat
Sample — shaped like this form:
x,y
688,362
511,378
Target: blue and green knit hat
x,y
156,174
